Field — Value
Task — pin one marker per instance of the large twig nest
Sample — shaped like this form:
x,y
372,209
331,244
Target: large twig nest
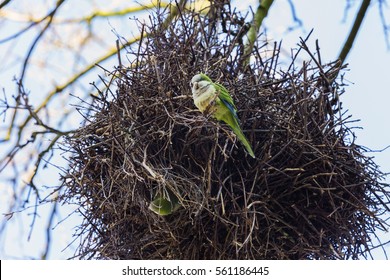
x,y
311,193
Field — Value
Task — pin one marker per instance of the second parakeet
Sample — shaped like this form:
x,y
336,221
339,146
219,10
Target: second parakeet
x,y
165,204
215,98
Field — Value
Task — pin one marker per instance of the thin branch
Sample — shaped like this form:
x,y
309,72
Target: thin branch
x,y
49,230
296,19
355,28
120,13
260,15
27,59
385,25
4,3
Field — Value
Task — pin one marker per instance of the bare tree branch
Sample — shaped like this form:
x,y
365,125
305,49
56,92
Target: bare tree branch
x,y
260,15
4,3
355,28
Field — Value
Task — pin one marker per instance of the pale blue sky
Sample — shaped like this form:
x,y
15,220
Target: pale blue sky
x,y
366,97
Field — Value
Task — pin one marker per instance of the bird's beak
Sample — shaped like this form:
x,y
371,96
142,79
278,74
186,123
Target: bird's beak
x,y
195,86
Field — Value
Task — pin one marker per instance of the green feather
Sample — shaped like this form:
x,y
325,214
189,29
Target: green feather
x,y
165,205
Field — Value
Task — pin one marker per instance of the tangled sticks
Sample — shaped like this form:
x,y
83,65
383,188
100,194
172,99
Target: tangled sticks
x,y
311,193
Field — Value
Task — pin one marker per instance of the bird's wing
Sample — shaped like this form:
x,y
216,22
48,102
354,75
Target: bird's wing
x,y
226,99
224,94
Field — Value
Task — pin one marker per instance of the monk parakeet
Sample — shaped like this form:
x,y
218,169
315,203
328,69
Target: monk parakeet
x,y
215,98
165,204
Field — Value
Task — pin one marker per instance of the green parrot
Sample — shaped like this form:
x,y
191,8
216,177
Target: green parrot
x,y
165,205
213,97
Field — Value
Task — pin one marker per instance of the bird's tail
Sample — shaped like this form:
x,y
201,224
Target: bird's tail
x,y
240,135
